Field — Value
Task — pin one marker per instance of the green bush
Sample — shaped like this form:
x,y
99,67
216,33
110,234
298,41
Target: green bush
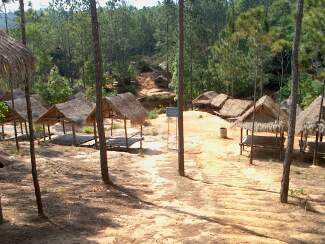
x,y
3,111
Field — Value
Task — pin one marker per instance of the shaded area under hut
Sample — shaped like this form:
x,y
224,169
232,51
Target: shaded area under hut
x,y
308,124
124,107
74,112
234,108
268,118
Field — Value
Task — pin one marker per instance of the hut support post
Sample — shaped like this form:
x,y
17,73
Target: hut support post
x,y
112,122
321,137
63,126
73,135
141,130
16,137
241,141
1,215
21,128
26,130
318,122
49,131
126,134
95,133
44,132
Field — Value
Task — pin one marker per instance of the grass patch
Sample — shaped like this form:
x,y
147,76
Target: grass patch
x,y
153,114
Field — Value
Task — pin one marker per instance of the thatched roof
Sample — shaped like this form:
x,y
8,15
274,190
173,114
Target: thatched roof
x,y
20,110
234,108
123,106
74,111
205,98
308,119
16,61
219,101
17,93
285,106
268,117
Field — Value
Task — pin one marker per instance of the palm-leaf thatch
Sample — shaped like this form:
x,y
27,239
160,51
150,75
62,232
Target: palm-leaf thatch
x,y
204,99
123,106
74,111
16,61
6,96
308,119
234,108
20,111
268,117
219,101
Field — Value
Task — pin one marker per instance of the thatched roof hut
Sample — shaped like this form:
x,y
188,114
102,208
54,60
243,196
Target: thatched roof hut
x,y
122,106
6,96
74,111
204,99
16,61
219,101
234,108
20,111
268,117
285,106
308,119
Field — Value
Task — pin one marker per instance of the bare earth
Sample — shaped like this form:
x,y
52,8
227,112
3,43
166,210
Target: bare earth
x,y
222,199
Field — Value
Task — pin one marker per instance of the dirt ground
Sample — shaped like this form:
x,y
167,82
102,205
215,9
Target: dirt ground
x,y
221,200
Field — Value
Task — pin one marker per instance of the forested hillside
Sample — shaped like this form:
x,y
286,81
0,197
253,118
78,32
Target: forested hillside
x,y
229,44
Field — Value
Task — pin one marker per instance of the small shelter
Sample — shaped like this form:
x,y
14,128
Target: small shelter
x,y
307,124
74,112
219,101
204,100
233,108
6,95
268,118
125,107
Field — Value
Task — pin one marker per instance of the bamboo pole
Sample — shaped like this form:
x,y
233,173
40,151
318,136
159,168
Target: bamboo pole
x,y
44,132
21,128
73,135
241,141
63,127
49,131
126,134
26,130
317,129
2,132
141,137
95,133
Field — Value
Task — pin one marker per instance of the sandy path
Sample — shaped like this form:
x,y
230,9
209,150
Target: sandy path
x,y
222,200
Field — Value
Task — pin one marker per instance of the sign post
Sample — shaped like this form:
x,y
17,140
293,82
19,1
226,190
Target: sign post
x,y
172,112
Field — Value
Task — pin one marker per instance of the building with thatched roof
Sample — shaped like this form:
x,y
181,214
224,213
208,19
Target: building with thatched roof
x,y
233,108
6,96
268,117
219,101
75,111
17,63
125,107
307,120
205,99
20,109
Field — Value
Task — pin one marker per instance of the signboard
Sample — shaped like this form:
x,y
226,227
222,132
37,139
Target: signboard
x,y
172,112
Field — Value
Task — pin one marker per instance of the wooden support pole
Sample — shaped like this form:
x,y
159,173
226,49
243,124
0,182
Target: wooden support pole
x,y
63,126
126,134
44,132
321,137
241,141
1,215
73,135
21,128
49,131
112,121
16,137
301,143
2,132
26,130
95,133
141,137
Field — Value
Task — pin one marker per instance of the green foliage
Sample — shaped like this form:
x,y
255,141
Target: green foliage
x,y
154,113
56,89
3,111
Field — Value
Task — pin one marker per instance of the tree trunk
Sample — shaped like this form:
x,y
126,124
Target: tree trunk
x,y
99,77
293,107
181,91
30,121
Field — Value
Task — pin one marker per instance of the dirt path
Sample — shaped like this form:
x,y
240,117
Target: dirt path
x,y
222,199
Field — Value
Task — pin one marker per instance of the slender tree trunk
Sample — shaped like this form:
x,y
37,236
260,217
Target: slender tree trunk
x,y
293,107
6,17
181,91
99,77
30,120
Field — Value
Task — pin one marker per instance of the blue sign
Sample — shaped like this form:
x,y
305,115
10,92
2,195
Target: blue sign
x,y
172,112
